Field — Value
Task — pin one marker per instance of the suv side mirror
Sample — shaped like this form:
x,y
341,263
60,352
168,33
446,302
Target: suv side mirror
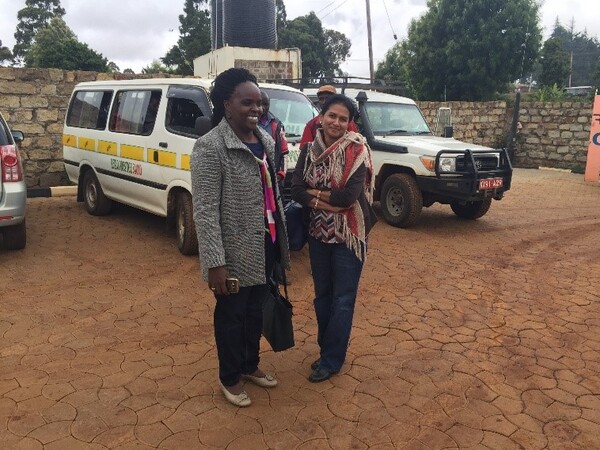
x,y
448,131
202,125
17,136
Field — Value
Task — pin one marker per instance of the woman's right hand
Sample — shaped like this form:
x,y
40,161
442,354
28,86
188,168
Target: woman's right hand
x,y
217,277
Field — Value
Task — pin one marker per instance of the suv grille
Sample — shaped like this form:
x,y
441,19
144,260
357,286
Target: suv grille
x,y
481,162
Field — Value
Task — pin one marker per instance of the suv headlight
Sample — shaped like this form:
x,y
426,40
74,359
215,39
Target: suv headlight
x,y
448,165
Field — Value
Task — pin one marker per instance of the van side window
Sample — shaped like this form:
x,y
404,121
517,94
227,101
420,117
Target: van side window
x,y
89,109
185,104
134,112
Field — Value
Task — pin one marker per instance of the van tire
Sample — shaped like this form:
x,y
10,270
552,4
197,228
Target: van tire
x,y
471,210
187,240
96,203
401,200
15,236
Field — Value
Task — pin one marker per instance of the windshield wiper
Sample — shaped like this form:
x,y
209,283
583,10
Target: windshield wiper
x,y
392,132
422,132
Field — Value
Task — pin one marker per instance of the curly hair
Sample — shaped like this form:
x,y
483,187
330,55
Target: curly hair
x,y
223,87
342,100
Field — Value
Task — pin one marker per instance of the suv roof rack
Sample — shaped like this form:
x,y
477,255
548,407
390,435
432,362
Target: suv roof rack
x,y
397,87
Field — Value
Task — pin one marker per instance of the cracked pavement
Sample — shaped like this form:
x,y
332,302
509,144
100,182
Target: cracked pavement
x,y
467,334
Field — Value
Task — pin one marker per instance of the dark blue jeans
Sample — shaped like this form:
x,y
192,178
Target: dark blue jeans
x,y
238,326
336,272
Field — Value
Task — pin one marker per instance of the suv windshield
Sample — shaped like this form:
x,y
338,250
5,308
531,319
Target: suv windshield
x,y
394,118
292,108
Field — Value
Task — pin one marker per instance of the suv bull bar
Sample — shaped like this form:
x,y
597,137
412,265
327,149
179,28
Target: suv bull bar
x,y
463,183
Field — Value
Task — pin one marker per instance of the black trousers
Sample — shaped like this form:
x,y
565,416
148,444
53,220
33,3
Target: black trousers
x,y
238,325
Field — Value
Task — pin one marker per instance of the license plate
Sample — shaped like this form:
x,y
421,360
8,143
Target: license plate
x,y
490,183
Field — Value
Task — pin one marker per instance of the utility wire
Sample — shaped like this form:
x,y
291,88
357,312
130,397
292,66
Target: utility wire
x,y
325,7
390,21
334,9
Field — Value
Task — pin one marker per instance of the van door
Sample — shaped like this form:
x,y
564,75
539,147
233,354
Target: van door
x,y
184,105
135,125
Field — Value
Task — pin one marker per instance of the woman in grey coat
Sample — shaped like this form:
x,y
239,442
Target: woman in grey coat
x,y
240,225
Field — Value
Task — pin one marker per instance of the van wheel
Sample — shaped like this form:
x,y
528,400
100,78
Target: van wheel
x,y
401,200
15,236
471,210
187,241
96,203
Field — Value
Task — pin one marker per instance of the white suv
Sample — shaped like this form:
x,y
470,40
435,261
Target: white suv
x,y
415,169
13,191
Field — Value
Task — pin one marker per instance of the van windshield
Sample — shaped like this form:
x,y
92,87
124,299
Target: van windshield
x,y
395,118
294,109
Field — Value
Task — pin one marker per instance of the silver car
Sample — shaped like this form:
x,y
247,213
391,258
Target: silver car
x,y
13,191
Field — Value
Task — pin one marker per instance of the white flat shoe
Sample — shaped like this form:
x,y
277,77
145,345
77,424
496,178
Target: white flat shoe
x,y
266,381
240,399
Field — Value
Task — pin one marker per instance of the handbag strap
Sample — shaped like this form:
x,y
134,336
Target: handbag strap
x,y
284,283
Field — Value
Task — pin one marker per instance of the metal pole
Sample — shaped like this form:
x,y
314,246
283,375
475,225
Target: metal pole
x,y
371,69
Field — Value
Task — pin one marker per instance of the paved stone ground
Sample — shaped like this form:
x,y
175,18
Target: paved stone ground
x,y
480,334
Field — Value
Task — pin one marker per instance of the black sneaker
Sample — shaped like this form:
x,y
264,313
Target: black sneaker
x,y
314,365
319,374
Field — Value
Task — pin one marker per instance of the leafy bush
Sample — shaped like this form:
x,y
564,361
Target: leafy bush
x,y
553,93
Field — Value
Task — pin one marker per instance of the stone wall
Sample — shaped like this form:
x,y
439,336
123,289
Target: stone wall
x,y
553,134
34,101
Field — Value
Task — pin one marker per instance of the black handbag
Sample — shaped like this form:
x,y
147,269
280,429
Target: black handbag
x,y
278,329
297,226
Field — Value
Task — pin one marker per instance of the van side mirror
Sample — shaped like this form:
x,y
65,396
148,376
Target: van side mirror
x,y
448,131
18,136
202,125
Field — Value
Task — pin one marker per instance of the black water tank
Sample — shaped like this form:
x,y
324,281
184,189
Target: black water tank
x,y
216,24
250,23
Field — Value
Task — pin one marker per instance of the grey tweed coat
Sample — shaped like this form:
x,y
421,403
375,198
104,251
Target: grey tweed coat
x,y
229,205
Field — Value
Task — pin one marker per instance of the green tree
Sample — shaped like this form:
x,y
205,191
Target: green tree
x,y
585,51
5,54
337,48
323,51
194,38
394,68
156,67
36,15
281,16
554,64
57,46
471,49
112,67
596,76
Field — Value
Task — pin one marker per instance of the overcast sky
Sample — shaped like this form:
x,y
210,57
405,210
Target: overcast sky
x,y
132,33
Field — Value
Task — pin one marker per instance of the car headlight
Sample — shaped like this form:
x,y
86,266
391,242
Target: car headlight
x,y
448,165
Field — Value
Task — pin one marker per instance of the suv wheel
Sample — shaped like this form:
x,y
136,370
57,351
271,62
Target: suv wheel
x,y
15,236
187,241
96,203
471,210
401,200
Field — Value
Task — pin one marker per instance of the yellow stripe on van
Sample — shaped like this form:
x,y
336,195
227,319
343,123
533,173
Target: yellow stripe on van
x,y
108,148
69,140
132,152
185,162
162,158
85,143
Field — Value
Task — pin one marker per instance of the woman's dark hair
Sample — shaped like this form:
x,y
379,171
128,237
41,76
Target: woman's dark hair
x,y
342,100
223,87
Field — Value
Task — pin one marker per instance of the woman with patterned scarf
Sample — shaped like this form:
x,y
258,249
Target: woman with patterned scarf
x,y
334,178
